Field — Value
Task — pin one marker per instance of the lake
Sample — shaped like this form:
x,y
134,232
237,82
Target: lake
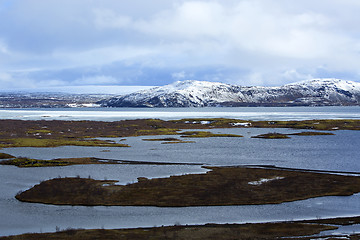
x,y
337,153
248,113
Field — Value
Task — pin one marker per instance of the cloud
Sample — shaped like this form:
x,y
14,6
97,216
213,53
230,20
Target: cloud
x,y
96,80
266,42
106,18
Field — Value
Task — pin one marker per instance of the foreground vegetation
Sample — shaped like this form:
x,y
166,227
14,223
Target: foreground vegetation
x,y
221,186
304,230
208,231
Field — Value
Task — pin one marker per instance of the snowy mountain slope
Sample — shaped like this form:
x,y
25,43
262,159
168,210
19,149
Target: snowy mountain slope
x,y
191,93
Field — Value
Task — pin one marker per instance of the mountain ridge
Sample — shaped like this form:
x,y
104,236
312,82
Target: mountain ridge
x,y
193,93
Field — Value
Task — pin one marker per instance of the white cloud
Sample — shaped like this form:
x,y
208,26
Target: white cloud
x,y
182,75
107,18
292,75
3,48
96,80
178,75
264,28
99,56
269,41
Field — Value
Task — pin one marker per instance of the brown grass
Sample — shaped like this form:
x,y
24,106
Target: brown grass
x,y
5,156
11,129
208,231
221,186
273,135
27,162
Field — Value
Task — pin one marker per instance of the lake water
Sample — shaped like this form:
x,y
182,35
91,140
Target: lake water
x,y
249,113
338,153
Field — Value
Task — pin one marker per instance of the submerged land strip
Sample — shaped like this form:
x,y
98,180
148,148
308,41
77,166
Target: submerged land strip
x,y
23,162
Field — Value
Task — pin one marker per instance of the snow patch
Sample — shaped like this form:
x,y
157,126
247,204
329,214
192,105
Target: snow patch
x,y
245,124
264,180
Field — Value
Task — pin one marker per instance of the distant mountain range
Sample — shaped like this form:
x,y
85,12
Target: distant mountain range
x,y
191,93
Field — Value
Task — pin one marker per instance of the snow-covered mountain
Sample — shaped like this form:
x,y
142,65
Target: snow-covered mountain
x,y
192,93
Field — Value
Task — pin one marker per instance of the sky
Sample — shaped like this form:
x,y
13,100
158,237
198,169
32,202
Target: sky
x,y
113,43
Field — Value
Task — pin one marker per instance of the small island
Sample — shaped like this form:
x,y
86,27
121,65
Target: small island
x,y
273,135
220,186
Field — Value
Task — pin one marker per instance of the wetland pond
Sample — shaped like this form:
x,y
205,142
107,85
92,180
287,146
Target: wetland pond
x,y
337,152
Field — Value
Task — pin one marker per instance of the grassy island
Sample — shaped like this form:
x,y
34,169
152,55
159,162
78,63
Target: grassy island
x,y
5,156
275,135
312,134
220,186
204,134
28,162
272,136
167,140
35,142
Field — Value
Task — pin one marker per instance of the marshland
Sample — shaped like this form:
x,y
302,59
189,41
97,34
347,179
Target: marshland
x,y
128,154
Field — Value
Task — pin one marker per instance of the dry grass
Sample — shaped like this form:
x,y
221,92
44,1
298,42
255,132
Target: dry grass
x,y
209,231
273,135
5,156
27,162
221,186
204,134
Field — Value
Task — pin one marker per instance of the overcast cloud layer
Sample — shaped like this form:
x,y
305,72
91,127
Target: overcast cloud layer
x,y
248,42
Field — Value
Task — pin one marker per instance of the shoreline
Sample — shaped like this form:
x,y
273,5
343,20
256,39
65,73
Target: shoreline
x,y
300,229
